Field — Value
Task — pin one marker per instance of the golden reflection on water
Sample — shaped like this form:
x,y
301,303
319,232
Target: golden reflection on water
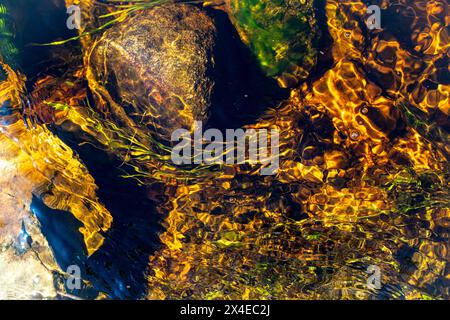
x,y
363,176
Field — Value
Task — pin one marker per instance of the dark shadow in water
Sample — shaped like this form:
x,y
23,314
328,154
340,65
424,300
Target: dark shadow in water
x,y
60,228
242,91
323,44
399,23
119,267
38,22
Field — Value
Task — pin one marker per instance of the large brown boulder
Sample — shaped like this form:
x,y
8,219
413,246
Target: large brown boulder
x,y
157,66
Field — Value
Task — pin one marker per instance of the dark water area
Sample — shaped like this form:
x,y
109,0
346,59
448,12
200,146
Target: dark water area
x,y
37,23
324,43
60,228
119,267
242,91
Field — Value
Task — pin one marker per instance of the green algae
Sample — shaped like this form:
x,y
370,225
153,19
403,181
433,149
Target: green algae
x,y
280,33
8,51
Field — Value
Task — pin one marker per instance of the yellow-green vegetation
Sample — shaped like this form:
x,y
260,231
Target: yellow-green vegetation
x,y
280,33
8,51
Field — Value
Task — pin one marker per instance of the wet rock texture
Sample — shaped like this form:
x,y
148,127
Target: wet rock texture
x,y
158,64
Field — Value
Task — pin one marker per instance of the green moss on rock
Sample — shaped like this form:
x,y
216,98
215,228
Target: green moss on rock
x,y
280,33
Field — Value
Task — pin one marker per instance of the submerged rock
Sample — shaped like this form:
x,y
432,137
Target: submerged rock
x,y
157,65
280,33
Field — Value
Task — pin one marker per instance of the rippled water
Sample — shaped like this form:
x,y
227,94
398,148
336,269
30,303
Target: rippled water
x,y
363,182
